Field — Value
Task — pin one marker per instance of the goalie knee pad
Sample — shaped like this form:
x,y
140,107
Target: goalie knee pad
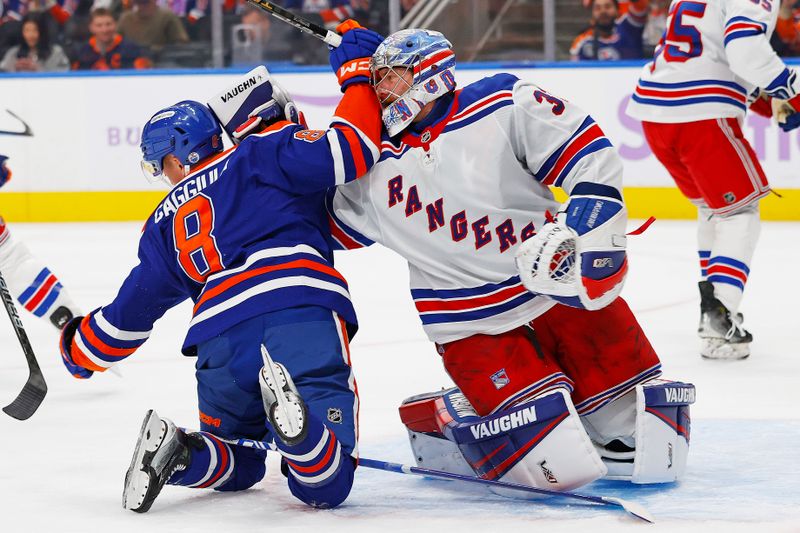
x,y
643,437
539,443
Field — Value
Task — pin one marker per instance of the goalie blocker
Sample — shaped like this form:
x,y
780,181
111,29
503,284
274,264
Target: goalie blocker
x,y
642,437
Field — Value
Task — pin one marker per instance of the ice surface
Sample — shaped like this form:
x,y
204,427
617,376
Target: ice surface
x,y
62,470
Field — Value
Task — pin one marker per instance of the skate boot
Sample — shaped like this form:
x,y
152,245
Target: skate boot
x,y
286,411
160,451
721,333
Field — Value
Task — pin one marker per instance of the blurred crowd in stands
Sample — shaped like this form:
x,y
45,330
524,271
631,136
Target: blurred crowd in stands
x,y
632,29
59,35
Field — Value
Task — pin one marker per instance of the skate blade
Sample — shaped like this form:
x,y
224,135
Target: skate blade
x,y
719,350
137,480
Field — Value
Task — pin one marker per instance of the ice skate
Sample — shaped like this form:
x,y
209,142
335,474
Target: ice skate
x,y
286,410
721,333
160,451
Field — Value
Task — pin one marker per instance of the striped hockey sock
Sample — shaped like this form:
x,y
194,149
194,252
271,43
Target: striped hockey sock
x,y
211,465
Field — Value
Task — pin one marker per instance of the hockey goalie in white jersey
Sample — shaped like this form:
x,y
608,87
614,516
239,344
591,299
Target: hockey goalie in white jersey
x,y
555,385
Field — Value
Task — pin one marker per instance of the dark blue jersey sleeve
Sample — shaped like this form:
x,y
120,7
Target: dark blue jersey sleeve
x,y
113,332
308,161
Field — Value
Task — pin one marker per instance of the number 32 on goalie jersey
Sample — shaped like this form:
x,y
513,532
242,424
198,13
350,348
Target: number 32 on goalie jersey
x,y
195,244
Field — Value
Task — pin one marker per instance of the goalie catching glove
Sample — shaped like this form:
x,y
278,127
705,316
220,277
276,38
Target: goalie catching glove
x,y
579,258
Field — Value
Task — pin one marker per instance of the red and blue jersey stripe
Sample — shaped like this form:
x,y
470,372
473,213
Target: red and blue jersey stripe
x,y
344,237
587,140
41,293
436,306
690,92
738,27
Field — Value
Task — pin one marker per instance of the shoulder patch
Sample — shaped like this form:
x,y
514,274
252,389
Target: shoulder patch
x,y
310,135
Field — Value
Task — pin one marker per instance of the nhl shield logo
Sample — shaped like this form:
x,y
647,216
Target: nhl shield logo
x,y
729,197
500,379
334,415
426,136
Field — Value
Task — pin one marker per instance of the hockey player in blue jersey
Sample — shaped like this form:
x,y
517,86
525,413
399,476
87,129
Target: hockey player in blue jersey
x,y
243,233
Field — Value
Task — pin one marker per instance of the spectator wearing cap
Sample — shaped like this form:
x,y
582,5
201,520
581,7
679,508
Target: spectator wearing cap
x,y
35,53
107,49
612,36
151,26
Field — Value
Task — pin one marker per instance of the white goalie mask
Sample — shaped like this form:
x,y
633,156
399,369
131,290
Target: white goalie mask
x,y
430,59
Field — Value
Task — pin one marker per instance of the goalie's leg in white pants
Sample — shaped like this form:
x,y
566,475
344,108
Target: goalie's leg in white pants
x,y
36,288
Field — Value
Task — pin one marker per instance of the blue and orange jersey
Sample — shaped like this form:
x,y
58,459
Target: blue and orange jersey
x,y
625,42
244,234
121,54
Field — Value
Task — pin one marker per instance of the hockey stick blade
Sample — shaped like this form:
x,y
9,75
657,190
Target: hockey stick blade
x,y
302,24
634,509
33,392
29,398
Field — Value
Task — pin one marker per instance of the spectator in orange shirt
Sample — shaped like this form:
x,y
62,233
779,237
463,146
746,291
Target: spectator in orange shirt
x,y
788,26
106,49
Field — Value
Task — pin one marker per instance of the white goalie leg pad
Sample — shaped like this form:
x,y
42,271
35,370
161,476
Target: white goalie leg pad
x,y
663,426
564,458
540,443
435,451
643,437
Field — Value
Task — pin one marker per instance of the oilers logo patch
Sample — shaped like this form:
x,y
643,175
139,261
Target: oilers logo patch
x,y
335,415
500,379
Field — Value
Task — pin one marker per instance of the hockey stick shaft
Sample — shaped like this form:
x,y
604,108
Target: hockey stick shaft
x,y
33,392
305,25
631,508
27,132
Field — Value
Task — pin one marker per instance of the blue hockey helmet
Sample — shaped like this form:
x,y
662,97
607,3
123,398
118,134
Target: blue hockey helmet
x,y
187,130
425,53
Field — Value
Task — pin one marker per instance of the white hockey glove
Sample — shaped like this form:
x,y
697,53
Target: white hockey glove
x,y
252,102
579,259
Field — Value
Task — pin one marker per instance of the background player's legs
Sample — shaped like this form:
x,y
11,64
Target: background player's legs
x,y
731,181
716,168
36,288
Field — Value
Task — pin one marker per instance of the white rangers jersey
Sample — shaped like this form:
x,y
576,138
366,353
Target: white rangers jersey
x,y
713,55
456,195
